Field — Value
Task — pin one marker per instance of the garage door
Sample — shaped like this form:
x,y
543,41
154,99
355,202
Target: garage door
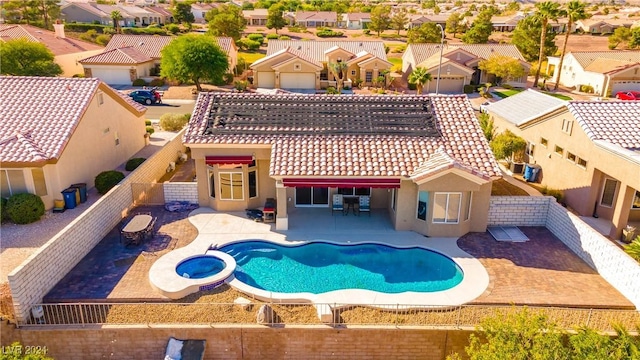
x,y
297,80
112,77
267,79
448,85
628,85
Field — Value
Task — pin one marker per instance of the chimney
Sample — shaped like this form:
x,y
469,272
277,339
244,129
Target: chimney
x,y
58,27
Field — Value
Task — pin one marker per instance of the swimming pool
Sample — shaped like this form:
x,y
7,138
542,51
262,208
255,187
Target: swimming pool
x,y
320,267
200,267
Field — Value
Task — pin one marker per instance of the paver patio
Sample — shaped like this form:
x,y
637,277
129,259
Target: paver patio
x,y
542,271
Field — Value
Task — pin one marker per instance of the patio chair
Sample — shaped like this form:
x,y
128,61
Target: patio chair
x,y
363,204
337,203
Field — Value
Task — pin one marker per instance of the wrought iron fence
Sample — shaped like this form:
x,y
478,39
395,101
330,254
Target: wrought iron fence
x,y
81,314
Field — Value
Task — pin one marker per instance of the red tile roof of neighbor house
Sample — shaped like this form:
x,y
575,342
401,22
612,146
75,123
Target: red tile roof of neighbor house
x,y
319,135
125,55
616,122
151,45
39,114
58,46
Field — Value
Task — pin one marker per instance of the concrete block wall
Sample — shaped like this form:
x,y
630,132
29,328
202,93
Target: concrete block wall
x,y
181,191
34,278
611,262
519,210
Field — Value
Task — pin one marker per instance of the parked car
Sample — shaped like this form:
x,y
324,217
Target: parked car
x,y
146,97
628,95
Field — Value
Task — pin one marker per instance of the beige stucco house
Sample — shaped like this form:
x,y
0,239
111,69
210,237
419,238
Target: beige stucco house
x,y
459,64
589,150
606,72
430,170
292,64
60,131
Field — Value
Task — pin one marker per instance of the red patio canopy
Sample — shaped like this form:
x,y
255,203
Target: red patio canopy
x,y
235,159
342,183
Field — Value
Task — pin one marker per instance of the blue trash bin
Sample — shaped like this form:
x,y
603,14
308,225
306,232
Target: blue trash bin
x,y
82,187
528,172
69,196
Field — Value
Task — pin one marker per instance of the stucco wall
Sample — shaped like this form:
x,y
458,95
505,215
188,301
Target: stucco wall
x,y
43,269
247,342
69,62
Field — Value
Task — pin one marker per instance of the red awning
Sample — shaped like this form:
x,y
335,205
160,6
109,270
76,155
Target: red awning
x,y
342,183
220,160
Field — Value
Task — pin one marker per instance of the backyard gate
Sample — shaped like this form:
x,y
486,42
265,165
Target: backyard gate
x,y
147,194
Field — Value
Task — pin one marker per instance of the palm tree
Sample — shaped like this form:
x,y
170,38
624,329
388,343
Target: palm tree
x,y
547,10
116,17
419,76
339,71
575,11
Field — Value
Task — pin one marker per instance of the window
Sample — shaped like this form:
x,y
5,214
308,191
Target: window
x,y
446,208
394,199
582,163
353,191
608,192
544,142
231,186
636,201
12,182
39,184
212,183
530,148
571,157
353,73
253,183
467,214
423,200
297,67
559,150
368,76
324,75
567,125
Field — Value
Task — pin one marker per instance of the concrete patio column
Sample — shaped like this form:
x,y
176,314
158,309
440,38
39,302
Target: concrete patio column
x,y
282,219
622,210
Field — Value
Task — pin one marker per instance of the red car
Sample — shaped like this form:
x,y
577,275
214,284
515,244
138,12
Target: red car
x,y
628,95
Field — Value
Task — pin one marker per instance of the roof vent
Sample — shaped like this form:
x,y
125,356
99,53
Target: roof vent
x,y
140,43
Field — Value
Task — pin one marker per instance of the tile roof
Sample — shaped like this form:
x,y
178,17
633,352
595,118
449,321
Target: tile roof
x,y
421,52
358,16
316,49
160,10
151,45
330,16
524,106
39,114
584,58
615,122
603,65
438,162
290,51
357,141
58,46
126,55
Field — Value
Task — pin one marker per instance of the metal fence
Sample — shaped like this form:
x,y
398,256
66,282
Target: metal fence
x,y
81,314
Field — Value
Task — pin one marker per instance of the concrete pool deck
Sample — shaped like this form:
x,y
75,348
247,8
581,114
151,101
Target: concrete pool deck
x,y
539,272
217,229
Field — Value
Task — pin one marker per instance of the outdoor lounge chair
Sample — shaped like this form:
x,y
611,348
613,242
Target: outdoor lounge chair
x,y
185,349
337,204
363,204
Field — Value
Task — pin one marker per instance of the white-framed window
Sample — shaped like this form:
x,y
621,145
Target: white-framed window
x,y
368,76
354,191
446,208
567,126
582,163
423,201
12,182
608,192
231,185
544,142
530,149
559,150
212,182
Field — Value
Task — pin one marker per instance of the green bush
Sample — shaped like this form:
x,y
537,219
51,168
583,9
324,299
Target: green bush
x,y
249,44
586,89
3,209
329,33
297,29
133,163
240,85
507,86
173,28
332,90
78,76
366,31
103,39
174,122
272,36
633,249
157,82
89,36
107,180
390,36
228,78
147,122
412,86
139,82
25,208
144,31
150,130
469,89
399,49
77,27
284,37
256,37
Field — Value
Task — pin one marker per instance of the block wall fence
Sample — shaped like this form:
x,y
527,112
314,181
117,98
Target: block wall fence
x,y
37,275
611,262
181,191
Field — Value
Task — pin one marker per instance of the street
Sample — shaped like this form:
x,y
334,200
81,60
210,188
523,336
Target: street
x,y
169,106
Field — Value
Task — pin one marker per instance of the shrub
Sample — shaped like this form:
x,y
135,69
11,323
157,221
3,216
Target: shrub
x,y
150,130
272,36
256,37
331,90
173,28
107,180
157,82
329,33
284,37
76,27
412,86
586,89
507,86
25,208
89,35
144,31
139,82
366,32
296,29
133,163
508,145
390,36
78,76
240,85
103,39
399,49
228,78
147,122
248,44
3,209
469,89
173,122
633,249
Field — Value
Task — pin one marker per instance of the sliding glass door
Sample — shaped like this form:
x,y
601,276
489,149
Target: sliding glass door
x,y
312,196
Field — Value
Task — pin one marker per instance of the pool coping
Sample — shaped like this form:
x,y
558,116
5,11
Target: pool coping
x,y
163,277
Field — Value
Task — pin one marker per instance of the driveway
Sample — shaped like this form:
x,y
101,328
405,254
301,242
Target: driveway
x,y
173,106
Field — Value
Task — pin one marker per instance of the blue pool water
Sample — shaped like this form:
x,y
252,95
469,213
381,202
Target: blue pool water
x,y
200,267
321,267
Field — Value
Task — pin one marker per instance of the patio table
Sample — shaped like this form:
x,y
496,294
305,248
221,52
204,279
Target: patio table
x,y
136,228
